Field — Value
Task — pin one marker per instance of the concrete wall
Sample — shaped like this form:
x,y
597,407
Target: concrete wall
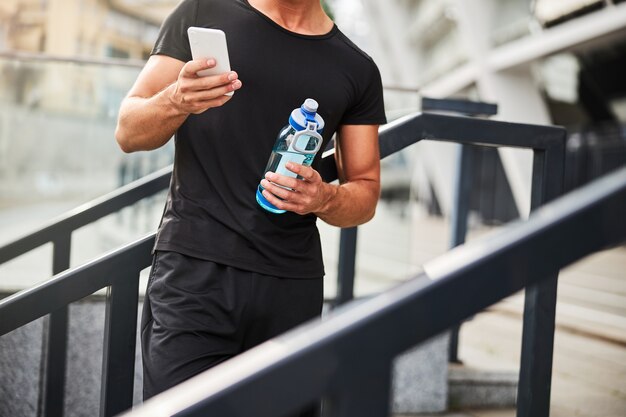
x,y
20,355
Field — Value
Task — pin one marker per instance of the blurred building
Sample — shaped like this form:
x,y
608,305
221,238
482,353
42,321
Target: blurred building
x,y
75,30
82,28
541,61
65,66
544,61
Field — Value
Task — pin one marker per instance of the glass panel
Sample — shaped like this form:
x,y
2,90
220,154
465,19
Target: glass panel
x,y
58,151
57,124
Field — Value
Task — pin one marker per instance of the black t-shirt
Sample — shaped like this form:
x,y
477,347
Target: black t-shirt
x,y
220,155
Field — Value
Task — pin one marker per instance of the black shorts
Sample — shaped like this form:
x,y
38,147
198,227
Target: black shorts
x,y
198,313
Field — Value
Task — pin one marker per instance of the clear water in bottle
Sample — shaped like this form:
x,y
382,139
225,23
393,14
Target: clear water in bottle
x,y
297,142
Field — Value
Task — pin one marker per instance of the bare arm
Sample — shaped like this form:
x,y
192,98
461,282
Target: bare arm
x,y
348,204
165,93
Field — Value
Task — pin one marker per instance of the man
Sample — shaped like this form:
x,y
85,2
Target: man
x,y
228,275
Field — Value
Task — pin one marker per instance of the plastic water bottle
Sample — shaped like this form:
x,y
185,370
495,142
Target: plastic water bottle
x,y
298,142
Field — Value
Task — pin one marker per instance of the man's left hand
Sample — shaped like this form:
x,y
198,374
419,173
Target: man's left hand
x,y
302,196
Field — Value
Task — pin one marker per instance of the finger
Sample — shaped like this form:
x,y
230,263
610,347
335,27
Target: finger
x,y
283,180
213,81
273,199
199,98
281,192
192,67
229,81
215,91
305,172
277,202
195,96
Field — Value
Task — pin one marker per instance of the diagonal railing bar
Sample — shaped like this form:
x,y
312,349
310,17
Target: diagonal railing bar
x,y
119,271
318,359
59,232
72,285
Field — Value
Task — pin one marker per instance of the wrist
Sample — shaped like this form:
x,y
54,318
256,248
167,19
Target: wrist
x,y
328,195
170,100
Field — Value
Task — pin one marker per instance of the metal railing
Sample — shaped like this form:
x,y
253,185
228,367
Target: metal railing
x,y
548,146
53,296
320,359
59,232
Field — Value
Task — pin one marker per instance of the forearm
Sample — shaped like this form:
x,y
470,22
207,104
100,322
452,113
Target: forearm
x,y
349,204
166,92
147,123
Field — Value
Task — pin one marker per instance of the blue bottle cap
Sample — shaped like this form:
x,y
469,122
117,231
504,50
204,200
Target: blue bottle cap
x,y
306,113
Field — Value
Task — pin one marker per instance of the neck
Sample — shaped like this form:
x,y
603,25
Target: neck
x,y
300,16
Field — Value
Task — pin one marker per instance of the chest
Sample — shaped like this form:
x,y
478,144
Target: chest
x,y
279,72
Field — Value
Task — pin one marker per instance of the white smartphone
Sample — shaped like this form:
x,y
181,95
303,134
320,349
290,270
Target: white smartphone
x,y
209,43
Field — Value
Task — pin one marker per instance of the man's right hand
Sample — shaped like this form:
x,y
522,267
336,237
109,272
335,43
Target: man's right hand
x,y
195,94
165,93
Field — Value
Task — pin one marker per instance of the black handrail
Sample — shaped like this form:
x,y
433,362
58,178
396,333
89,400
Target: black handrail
x,y
547,143
119,271
318,359
72,285
59,232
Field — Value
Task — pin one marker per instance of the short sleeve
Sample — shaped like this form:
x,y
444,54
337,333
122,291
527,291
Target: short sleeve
x,y
172,39
369,106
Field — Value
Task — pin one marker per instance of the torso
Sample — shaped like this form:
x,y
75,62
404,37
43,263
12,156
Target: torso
x,y
211,211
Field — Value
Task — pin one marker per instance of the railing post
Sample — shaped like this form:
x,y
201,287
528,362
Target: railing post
x,y
370,396
54,341
533,395
462,184
346,265
118,358
458,223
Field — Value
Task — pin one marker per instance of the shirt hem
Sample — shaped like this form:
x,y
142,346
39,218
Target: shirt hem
x,y
236,263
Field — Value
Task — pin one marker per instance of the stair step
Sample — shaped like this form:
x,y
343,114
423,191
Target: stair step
x,y
477,388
